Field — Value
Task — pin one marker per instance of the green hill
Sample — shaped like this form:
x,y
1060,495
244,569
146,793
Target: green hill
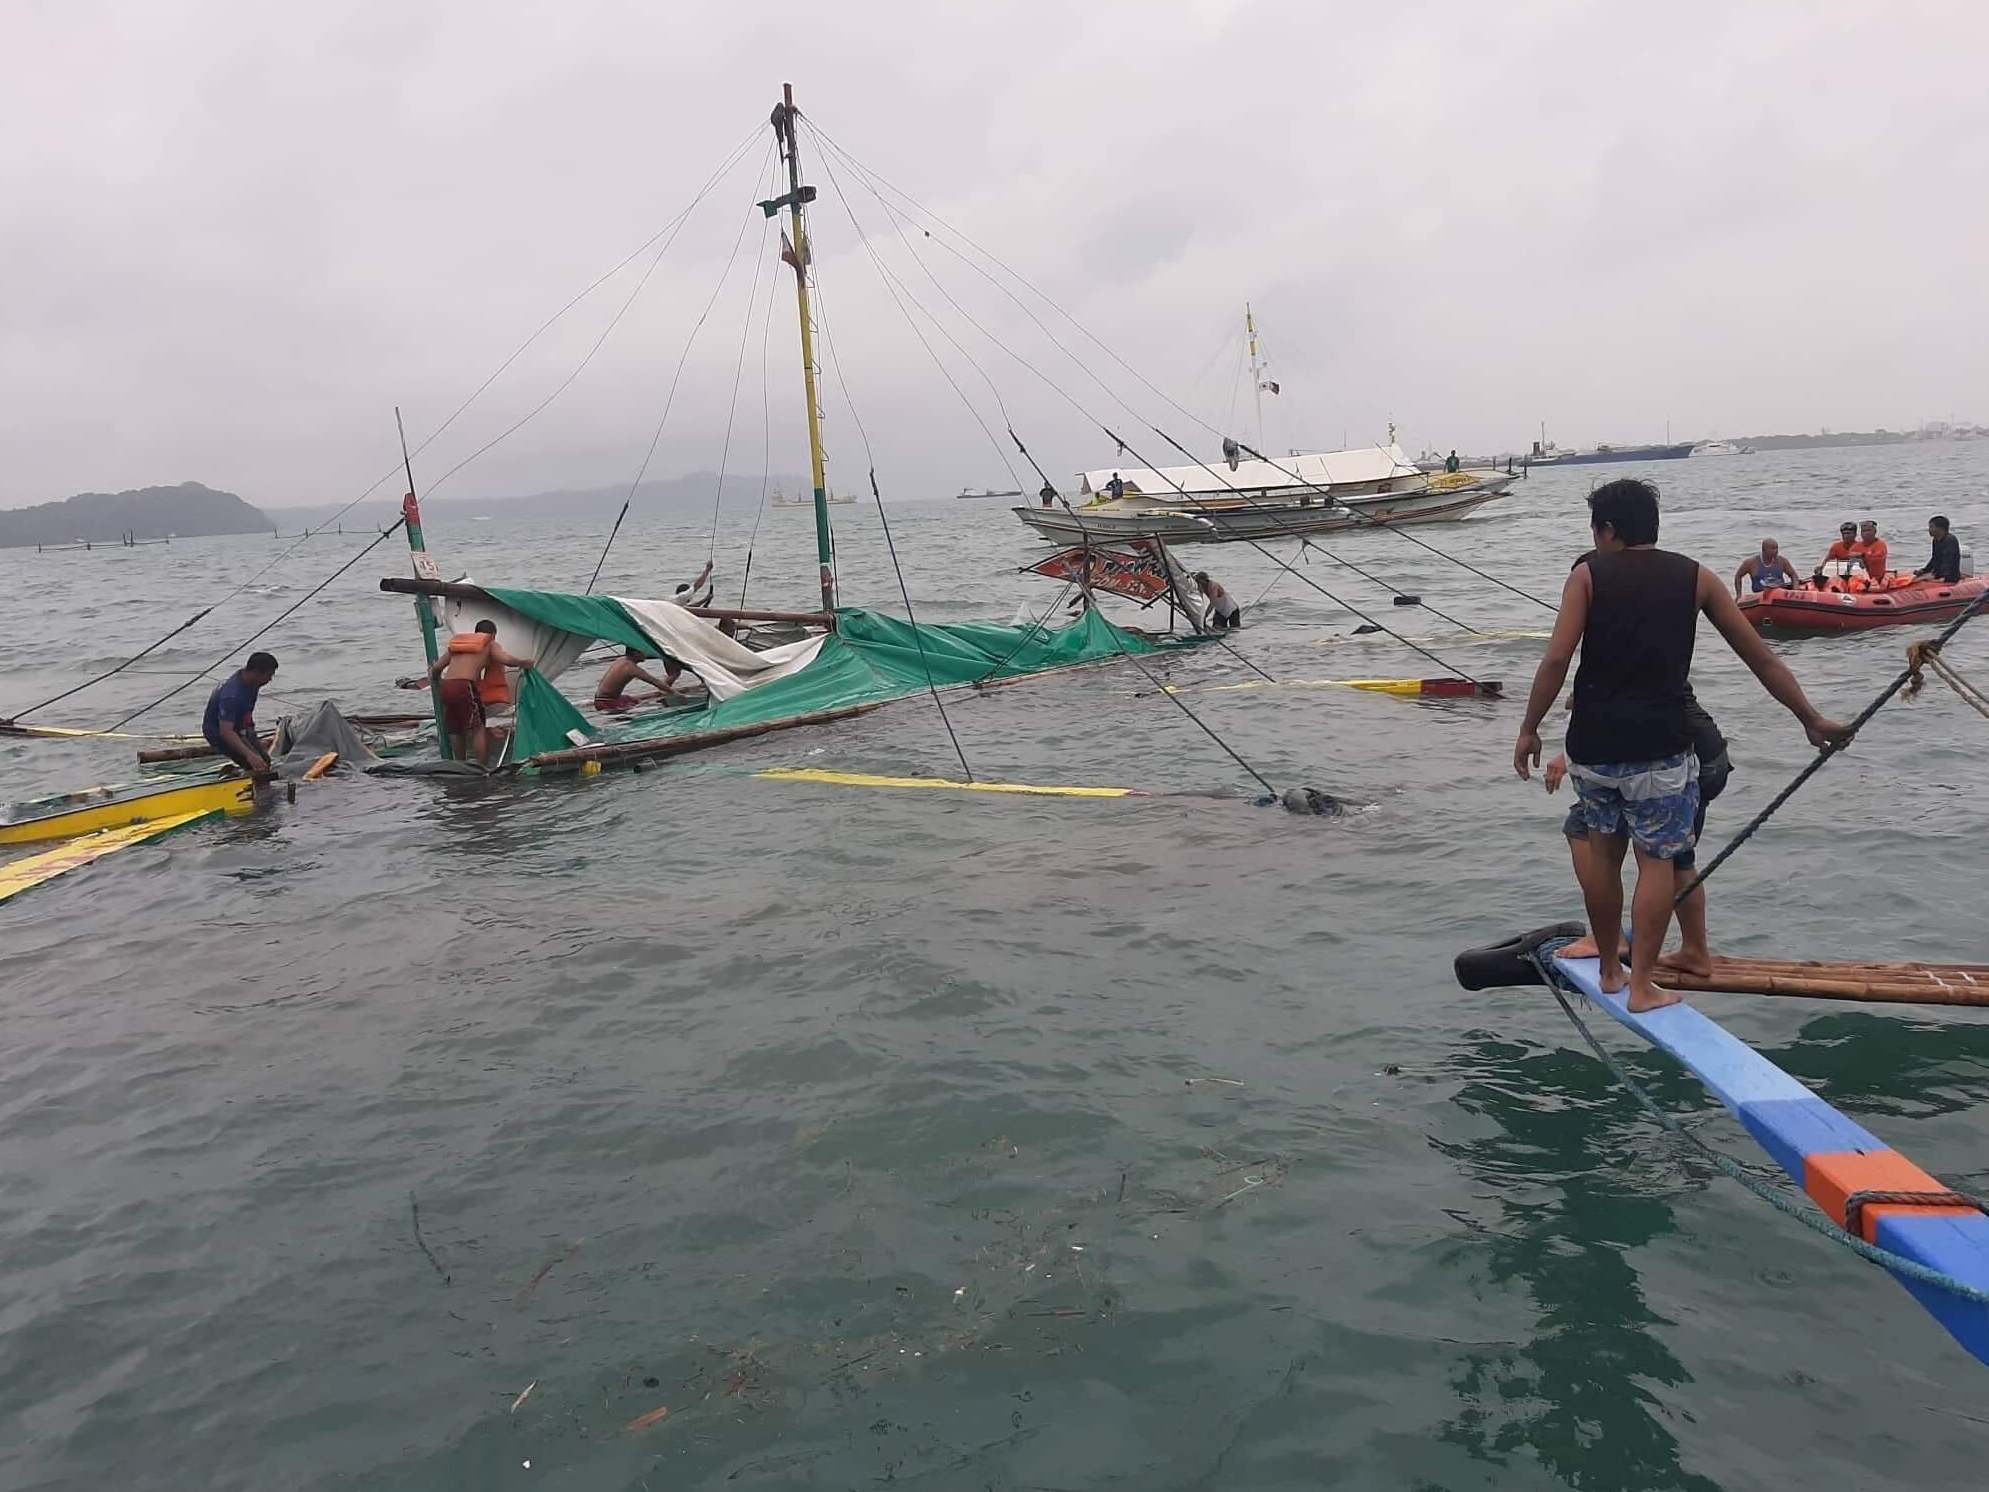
x,y
146,513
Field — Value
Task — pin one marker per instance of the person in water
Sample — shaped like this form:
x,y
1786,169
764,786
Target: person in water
x,y
1872,551
1223,614
1633,609
1769,568
624,671
229,723
1944,564
461,668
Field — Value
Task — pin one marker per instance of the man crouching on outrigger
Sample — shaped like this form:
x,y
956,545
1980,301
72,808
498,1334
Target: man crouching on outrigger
x,y
1634,610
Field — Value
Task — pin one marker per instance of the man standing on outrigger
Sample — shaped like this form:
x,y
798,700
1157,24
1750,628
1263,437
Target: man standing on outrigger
x,y
1633,609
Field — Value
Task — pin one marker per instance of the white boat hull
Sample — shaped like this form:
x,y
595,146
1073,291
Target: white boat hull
x,y
1225,519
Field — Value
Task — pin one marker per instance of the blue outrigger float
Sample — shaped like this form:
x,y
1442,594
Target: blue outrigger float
x,y
1932,1239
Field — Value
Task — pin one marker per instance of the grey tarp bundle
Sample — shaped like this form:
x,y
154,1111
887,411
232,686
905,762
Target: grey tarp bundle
x,y
302,739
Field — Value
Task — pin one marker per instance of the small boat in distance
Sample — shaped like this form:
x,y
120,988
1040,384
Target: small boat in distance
x,y
780,499
965,492
1220,501
1721,448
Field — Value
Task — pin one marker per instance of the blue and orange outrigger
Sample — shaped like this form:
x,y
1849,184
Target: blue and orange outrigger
x,y
1931,1238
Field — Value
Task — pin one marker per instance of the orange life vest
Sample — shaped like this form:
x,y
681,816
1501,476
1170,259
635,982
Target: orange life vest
x,y
494,688
469,642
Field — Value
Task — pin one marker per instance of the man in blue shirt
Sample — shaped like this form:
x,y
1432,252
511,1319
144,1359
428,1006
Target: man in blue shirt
x,y
229,723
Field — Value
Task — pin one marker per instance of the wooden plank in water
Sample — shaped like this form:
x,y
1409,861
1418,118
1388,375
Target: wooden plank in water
x,y
36,870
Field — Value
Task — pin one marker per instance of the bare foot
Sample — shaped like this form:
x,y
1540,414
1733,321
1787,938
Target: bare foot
x,y
1649,996
1609,976
1697,961
1580,948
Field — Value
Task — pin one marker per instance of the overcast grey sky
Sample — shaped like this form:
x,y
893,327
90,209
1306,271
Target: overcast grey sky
x,y
237,234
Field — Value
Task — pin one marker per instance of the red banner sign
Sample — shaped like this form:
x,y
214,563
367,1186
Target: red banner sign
x,y
1135,573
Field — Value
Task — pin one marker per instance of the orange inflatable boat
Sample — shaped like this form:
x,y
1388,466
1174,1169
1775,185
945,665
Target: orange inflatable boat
x,y
1834,608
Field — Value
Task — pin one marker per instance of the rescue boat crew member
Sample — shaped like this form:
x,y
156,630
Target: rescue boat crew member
x,y
1846,548
230,724
461,669
1872,550
1769,568
1944,564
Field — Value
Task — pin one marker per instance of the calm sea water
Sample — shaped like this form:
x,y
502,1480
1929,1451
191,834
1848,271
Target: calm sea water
x,y
959,1141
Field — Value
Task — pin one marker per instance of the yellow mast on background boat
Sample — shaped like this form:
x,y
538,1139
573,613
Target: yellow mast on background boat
x,y
796,253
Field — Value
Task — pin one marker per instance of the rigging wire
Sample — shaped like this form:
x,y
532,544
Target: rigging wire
x,y
120,668
1123,651
731,159
1124,446
766,430
664,418
732,405
872,179
802,257
1828,750
265,630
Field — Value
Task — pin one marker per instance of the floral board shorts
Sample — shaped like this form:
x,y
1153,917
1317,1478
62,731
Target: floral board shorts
x,y
1655,803
1713,777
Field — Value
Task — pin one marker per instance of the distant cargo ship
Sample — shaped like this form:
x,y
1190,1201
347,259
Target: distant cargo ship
x,y
1548,455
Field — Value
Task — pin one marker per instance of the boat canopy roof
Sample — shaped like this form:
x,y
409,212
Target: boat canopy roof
x,y
1313,469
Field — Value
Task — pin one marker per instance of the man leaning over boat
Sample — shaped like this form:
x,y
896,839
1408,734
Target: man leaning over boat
x,y
461,669
229,723
1633,610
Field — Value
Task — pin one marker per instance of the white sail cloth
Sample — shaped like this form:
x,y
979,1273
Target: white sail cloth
x,y
726,666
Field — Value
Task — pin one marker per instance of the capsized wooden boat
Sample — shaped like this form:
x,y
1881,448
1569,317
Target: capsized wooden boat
x,y
1835,1160
68,814
35,870
1805,608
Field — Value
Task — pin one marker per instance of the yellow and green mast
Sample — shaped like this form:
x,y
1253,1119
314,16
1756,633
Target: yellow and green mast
x,y
797,254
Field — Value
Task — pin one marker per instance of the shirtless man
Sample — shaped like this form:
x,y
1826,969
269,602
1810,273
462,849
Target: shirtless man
x,y
461,668
1770,567
624,671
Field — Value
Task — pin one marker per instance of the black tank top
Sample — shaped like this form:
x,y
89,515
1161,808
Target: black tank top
x,y
1631,690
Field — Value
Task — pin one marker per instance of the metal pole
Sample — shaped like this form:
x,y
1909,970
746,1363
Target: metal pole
x,y
424,608
824,552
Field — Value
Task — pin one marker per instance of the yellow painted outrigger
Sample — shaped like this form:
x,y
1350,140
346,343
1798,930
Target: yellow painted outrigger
x,y
70,814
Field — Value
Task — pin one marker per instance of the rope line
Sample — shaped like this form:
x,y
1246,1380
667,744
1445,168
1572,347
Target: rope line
x,y
925,664
872,179
670,399
1824,753
265,630
1809,1217
79,688
1922,655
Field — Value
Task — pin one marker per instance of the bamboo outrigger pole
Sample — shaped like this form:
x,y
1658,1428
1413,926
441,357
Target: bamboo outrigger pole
x,y
797,254
424,610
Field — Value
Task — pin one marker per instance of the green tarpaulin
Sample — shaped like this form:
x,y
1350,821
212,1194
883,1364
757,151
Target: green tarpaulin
x,y
870,658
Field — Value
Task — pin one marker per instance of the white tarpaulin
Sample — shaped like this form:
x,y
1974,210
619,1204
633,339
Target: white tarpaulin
x,y
727,666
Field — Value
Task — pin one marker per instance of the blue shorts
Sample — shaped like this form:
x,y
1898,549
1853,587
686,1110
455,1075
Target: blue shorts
x,y
1656,803
1713,777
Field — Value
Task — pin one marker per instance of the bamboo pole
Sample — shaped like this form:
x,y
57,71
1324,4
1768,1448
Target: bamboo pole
x,y
424,612
1892,984
627,751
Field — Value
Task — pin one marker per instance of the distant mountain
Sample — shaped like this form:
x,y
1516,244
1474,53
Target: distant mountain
x,y
145,513
687,494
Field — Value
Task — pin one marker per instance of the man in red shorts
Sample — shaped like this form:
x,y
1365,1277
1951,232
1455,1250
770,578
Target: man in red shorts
x,y
461,669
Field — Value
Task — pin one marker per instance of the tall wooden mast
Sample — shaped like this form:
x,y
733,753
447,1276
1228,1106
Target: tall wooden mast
x,y
797,254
